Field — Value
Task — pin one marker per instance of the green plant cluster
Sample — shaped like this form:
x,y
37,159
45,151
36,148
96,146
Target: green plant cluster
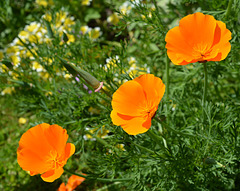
x,y
183,149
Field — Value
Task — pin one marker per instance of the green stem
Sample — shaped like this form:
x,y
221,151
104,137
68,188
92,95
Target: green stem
x,y
155,137
144,148
167,86
97,179
104,188
205,84
204,90
229,8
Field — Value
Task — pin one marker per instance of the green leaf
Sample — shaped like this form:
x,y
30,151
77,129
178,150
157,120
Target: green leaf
x,y
92,14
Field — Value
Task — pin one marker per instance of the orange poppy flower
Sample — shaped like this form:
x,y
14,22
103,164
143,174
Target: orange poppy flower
x,y
73,182
43,150
198,38
136,102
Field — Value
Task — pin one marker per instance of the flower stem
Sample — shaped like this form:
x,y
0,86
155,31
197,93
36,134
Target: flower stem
x,y
155,137
167,86
97,179
229,8
205,87
144,148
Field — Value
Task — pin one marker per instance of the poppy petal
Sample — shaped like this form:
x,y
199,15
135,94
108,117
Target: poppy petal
x,y
198,29
69,150
52,175
73,182
137,125
223,45
131,125
119,119
177,47
129,99
35,140
56,137
62,187
33,149
30,161
153,88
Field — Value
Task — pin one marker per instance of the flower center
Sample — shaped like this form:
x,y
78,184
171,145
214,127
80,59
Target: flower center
x,y
55,160
201,51
150,113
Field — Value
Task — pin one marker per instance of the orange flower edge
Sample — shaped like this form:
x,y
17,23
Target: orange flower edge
x,y
73,182
62,187
198,38
44,150
136,102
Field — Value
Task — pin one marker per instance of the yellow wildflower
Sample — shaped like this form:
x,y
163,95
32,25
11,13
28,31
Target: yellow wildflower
x,y
112,62
8,90
1,55
35,38
67,76
36,66
15,60
12,50
121,146
60,18
86,2
101,133
95,33
48,93
69,21
3,68
47,17
125,8
143,16
84,29
44,75
22,120
114,18
131,60
32,27
43,3
70,37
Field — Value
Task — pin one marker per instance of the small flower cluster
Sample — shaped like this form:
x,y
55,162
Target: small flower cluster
x,y
93,33
113,63
25,46
44,3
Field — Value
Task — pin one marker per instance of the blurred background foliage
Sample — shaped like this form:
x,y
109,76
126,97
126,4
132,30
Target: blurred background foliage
x,y
116,41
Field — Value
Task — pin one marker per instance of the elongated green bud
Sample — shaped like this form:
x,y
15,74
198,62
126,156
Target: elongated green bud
x,y
76,71
210,161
